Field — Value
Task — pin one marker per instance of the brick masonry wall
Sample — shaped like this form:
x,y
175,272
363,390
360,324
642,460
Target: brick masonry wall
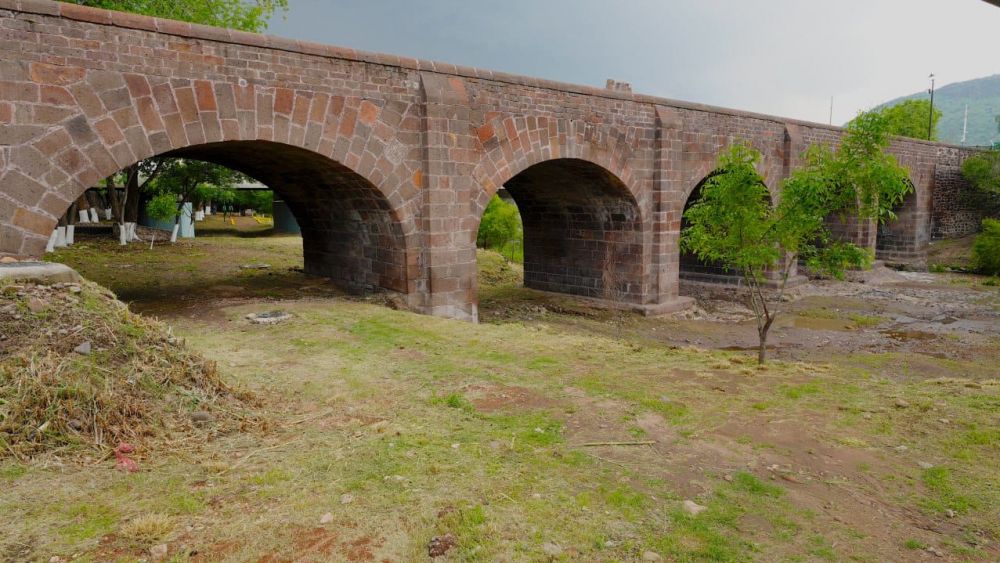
x,y
955,213
387,162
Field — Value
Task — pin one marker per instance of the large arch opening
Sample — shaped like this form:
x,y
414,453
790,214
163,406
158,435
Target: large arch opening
x,y
582,230
350,233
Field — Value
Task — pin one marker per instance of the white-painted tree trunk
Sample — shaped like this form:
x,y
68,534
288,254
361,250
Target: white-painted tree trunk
x,y
60,237
173,233
107,214
122,234
94,217
84,216
70,234
51,246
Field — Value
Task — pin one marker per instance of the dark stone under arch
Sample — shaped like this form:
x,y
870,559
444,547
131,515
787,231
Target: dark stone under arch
x,y
582,230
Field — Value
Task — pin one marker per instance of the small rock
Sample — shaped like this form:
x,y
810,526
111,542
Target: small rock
x,y
158,552
83,349
201,417
694,508
11,260
949,513
36,305
75,289
552,549
455,446
925,465
728,478
326,518
255,266
651,556
935,551
901,404
944,421
346,498
901,448
54,558
439,545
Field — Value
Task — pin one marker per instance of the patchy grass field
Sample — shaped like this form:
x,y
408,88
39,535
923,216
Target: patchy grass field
x,y
384,429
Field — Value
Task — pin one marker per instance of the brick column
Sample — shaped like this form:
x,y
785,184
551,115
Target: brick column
x,y
668,205
448,224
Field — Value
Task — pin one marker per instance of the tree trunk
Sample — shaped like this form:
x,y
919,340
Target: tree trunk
x,y
132,196
762,333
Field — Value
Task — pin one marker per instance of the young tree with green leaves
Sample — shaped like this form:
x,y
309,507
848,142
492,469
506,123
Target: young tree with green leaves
x,y
734,222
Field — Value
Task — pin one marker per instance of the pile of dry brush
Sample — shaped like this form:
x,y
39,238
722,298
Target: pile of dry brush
x,y
79,372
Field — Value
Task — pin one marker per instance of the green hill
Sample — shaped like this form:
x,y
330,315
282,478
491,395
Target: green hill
x,y
983,97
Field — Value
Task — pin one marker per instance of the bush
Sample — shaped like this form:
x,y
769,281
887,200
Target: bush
x,y
500,229
986,249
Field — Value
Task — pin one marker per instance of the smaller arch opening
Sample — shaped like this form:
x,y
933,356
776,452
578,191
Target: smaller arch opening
x,y
904,238
693,268
582,230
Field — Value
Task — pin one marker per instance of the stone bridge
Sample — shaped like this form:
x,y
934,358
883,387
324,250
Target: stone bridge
x,y
388,162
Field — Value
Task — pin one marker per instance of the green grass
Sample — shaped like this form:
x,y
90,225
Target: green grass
x,y
382,405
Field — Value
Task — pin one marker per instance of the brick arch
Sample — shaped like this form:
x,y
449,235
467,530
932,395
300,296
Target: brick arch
x,y
511,145
584,219
95,123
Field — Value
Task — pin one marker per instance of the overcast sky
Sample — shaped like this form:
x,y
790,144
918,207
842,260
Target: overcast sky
x,y
783,57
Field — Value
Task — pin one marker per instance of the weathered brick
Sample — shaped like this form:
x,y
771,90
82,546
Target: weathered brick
x,y
379,154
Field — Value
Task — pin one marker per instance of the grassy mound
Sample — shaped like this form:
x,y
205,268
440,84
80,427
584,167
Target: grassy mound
x,y
79,371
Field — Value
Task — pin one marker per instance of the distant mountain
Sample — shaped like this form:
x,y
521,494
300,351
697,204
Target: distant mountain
x,y
983,97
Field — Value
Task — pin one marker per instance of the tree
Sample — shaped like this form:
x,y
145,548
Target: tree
x,y
501,229
734,222
982,170
910,118
189,180
245,15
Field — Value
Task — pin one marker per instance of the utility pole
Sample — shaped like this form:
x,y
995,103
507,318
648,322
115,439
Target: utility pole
x,y
930,118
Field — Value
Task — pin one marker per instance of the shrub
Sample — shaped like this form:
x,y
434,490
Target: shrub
x,y
500,228
986,249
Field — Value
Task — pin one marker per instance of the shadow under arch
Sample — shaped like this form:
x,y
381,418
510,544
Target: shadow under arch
x,y
583,230
350,232
903,238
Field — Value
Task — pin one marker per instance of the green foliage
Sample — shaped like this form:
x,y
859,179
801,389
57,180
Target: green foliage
x,y
734,223
981,96
909,118
195,180
246,15
982,170
501,229
261,201
986,248
862,178
163,207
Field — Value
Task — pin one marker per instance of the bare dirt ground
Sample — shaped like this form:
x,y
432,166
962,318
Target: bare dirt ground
x,y
552,430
